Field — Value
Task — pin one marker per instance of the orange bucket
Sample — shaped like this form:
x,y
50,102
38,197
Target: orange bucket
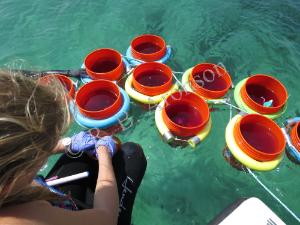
x,y
210,81
185,113
295,136
152,78
99,99
148,47
66,82
261,88
259,137
105,64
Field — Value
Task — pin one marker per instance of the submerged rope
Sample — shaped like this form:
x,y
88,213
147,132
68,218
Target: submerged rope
x,y
178,81
230,112
126,75
233,106
134,59
273,195
176,72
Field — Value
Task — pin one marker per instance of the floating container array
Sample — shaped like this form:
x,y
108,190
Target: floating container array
x,y
182,111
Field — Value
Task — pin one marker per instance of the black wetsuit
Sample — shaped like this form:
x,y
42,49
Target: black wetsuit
x,y
129,167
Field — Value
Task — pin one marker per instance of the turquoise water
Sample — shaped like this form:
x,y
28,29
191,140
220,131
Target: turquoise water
x,y
181,186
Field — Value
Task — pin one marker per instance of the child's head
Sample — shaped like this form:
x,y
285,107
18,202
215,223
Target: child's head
x,y
32,119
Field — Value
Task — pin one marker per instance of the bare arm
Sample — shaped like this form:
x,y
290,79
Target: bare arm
x,y
106,193
42,213
105,211
60,148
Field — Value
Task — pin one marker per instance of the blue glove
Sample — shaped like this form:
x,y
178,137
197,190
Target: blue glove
x,y
109,143
83,141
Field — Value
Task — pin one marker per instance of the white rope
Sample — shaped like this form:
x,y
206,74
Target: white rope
x,y
273,195
230,112
126,75
179,82
134,59
176,72
233,106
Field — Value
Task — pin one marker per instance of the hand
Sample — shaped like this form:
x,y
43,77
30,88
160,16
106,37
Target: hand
x,y
109,143
83,141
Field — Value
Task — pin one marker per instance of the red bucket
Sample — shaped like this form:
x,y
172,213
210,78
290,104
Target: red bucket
x,y
66,82
105,64
259,137
210,81
295,136
262,88
152,78
185,113
99,99
148,47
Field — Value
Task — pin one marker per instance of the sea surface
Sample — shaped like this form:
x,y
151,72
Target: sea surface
x,y
181,186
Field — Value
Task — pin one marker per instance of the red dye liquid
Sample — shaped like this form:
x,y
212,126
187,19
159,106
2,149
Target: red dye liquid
x,y
152,78
100,100
184,115
104,66
210,81
259,137
147,48
261,94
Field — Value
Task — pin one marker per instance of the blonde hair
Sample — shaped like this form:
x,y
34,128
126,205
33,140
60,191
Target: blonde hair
x,y
32,119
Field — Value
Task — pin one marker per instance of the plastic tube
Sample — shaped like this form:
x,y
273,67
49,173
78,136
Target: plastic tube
x,y
187,86
144,98
294,135
146,71
183,103
239,101
169,137
66,82
106,87
243,157
292,150
85,78
267,83
148,41
256,122
134,62
68,179
105,123
104,63
218,75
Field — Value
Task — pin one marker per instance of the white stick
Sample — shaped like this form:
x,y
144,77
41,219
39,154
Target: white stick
x,y
67,179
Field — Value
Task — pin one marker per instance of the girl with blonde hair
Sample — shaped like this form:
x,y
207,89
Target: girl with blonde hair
x,y
33,118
